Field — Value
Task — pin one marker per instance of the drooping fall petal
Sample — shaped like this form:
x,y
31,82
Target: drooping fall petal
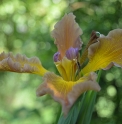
x,y
106,52
66,92
21,64
67,34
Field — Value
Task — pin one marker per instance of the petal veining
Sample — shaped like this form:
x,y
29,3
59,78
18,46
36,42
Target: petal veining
x,y
21,64
67,34
106,52
66,92
66,68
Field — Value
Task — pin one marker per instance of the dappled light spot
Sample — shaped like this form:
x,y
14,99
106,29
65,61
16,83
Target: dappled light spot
x,y
31,23
117,73
109,76
56,1
32,47
42,45
7,8
17,43
105,107
8,29
24,98
46,3
49,112
22,9
25,77
111,91
22,28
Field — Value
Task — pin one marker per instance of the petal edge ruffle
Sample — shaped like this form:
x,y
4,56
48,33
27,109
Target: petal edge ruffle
x,y
106,52
66,92
21,64
67,34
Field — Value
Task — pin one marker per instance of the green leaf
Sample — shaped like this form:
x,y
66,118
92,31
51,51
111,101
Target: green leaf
x,y
72,116
88,106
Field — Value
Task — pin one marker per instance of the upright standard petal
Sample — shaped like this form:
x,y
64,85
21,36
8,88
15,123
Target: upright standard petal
x,y
21,64
106,52
67,34
66,92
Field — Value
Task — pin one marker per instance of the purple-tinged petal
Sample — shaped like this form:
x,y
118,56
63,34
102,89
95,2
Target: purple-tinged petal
x,y
72,53
56,57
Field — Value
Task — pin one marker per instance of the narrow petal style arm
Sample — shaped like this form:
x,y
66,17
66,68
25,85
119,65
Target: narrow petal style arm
x,y
21,64
106,52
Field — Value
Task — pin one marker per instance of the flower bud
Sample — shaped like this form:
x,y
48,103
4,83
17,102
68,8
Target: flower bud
x,y
72,53
56,56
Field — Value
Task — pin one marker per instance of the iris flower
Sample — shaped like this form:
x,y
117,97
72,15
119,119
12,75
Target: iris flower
x,y
77,72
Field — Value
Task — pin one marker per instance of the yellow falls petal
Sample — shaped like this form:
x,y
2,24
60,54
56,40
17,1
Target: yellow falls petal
x,y
67,34
106,52
66,92
21,64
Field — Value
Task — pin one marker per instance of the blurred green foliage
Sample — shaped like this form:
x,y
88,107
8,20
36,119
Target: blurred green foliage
x,y
25,27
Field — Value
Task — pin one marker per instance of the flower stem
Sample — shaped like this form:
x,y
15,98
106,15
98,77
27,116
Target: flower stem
x,y
88,105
